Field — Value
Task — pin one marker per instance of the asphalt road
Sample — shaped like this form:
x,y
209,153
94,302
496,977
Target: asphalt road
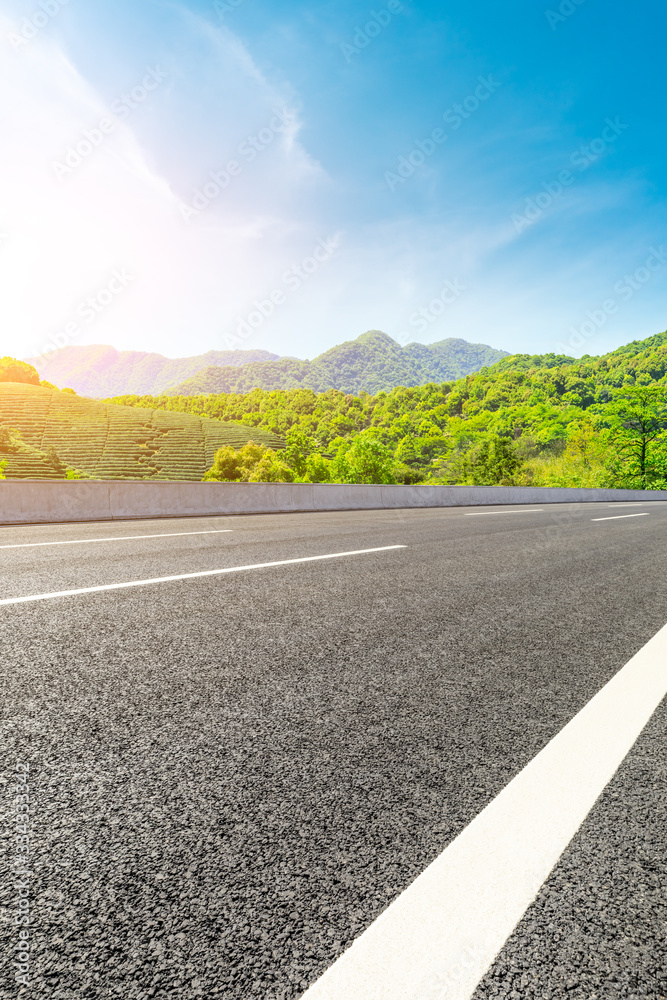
x,y
231,776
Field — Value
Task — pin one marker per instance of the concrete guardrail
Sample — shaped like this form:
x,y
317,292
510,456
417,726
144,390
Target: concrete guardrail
x,y
45,501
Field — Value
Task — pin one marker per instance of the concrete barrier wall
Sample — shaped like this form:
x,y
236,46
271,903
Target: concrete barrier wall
x,y
43,501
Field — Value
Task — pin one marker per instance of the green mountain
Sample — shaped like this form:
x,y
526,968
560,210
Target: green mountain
x,y
371,363
102,371
546,420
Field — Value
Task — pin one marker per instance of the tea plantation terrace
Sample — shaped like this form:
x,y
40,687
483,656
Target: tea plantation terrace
x,y
108,441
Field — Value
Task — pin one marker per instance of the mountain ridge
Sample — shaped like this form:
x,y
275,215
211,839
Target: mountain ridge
x,y
99,370
373,362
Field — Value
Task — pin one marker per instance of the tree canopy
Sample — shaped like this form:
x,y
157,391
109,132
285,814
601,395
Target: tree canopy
x,y
12,370
543,419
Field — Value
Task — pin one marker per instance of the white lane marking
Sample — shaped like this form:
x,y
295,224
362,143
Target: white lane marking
x,y
483,513
441,935
117,538
191,576
617,517
629,503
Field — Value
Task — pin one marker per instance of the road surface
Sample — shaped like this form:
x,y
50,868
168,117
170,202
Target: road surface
x,y
232,775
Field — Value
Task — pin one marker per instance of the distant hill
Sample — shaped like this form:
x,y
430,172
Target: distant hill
x,y
556,412
54,430
103,371
371,363
540,420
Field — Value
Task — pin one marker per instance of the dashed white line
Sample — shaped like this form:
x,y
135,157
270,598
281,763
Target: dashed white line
x,y
629,503
440,937
484,513
116,538
617,517
191,576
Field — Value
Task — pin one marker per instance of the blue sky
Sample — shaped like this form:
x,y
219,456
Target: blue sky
x,y
190,176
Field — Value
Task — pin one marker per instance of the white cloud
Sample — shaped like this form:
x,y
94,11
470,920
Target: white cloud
x,y
121,208
70,226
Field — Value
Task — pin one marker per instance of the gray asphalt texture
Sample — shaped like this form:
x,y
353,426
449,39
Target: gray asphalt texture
x,y
231,777
598,929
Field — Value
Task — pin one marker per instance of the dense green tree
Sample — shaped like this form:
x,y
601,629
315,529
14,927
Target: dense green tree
x,y
318,469
365,460
253,463
491,461
227,466
408,475
271,469
638,435
12,370
298,446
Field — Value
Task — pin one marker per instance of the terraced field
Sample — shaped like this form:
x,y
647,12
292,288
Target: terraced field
x,y
108,441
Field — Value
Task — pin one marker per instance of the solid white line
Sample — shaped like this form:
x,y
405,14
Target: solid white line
x,y
440,937
118,538
617,517
191,576
483,513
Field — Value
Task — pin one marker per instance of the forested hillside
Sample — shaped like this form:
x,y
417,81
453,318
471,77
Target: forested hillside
x,y
371,363
544,419
99,370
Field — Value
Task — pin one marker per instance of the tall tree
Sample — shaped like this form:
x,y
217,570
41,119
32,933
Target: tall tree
x,y
638,436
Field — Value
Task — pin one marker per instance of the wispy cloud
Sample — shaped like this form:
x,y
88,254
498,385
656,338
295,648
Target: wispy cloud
x,y
119,204
259,139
